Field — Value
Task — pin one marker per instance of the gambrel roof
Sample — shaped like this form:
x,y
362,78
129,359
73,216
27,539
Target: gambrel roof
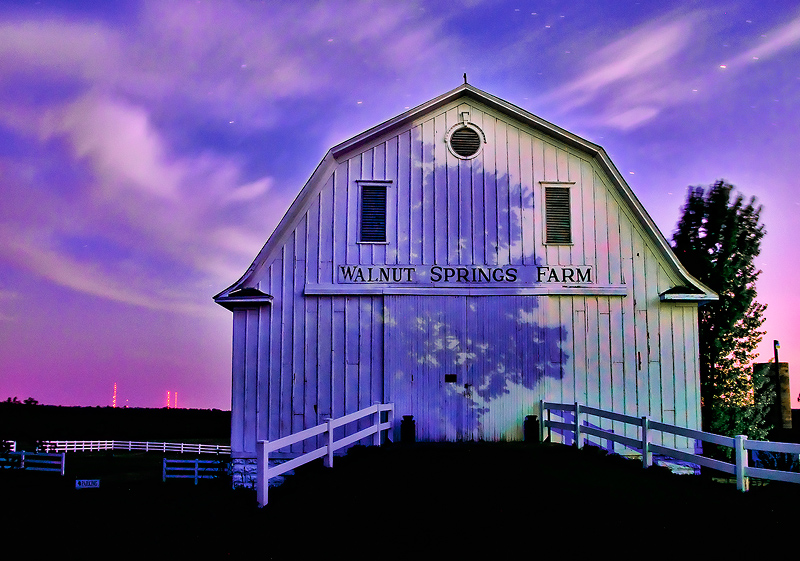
x,y
242,291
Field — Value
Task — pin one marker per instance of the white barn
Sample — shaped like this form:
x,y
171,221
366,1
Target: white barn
x,y
462,260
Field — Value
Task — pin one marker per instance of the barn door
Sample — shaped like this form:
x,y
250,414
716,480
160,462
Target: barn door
x,y
430,371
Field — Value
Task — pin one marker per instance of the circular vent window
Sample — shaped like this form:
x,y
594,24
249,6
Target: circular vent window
x,y
465,142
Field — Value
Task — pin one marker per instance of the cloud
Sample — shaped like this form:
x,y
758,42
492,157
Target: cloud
x,y
38,256
629,81
156,218
86,51
125,188
631,118
6,296
778,40
632,58
118,139
245,58
250,191
217,60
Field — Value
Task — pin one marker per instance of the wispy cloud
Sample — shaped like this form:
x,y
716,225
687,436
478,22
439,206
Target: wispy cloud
x,y
148,208
93,278
120,115
632,80
637,56
778,40
124,150
6,296
629,81
79,50
148,203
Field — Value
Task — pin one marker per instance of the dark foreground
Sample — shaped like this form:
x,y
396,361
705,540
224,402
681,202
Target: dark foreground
x,y
468,501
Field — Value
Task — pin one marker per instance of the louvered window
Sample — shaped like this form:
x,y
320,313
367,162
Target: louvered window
x,y
557,213
465,142
373,213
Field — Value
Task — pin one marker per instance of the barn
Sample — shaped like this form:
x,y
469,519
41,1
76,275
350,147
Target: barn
x,y
463,260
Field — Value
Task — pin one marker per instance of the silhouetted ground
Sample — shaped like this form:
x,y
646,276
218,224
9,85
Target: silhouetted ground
x,y
426,501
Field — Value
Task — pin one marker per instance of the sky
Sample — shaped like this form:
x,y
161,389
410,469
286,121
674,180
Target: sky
x,y
148,149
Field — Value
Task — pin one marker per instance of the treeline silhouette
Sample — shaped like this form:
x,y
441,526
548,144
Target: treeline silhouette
x,y
30,423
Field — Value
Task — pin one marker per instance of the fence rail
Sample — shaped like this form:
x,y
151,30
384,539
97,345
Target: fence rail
x,y
739,443
34,461
191,469
99,445
265,473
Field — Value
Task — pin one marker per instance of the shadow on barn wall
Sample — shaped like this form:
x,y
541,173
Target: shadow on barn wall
x,y
471,367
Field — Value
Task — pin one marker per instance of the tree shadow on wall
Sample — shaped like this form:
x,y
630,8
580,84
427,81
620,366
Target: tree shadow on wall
x,y
469,367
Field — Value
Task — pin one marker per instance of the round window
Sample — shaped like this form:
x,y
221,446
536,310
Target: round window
x,y
465,141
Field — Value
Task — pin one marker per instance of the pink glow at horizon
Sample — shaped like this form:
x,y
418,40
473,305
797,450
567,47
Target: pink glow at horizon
x,y
148,149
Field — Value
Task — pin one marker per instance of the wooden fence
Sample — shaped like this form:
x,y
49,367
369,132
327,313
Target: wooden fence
x,y
265,473
739,443
98,445
33,461
191,469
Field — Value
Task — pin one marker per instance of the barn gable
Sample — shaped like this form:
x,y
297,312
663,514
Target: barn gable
x,y
463,260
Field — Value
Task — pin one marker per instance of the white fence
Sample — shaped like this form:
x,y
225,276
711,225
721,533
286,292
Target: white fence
x,y
12,445
98,445
739,443
191,469
265,473
34,462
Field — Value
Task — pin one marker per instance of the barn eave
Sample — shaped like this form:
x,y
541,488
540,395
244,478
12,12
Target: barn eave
x,y
687,294
245,297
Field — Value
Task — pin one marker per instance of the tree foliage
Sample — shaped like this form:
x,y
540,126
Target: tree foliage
x,y
717,239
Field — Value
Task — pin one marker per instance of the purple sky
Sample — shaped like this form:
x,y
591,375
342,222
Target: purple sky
x,y
148,149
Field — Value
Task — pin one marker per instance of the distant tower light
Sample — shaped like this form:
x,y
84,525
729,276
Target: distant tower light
x,y
167,399
114,401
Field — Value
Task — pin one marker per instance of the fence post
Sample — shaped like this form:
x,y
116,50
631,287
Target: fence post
x,y
195,470
541,420
262,481
164,471
22,460
742,481
647,457
63,458
376,440
329,430
391,421
577,428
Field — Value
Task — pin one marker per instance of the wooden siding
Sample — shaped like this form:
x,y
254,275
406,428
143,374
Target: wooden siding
x,y
307,357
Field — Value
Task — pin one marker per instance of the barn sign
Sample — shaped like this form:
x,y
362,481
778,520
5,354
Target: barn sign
x,y
472,275
464,260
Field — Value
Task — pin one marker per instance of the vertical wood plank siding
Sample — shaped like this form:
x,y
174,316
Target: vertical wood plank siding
x,y
317,356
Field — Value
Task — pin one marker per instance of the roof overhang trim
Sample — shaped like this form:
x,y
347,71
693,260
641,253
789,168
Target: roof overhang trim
x,y
696,298
242,298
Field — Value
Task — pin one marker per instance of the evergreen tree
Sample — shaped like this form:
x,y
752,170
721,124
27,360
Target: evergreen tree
x,y
717,240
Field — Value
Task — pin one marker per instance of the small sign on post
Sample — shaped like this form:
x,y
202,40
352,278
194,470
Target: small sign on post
x,y
87,483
